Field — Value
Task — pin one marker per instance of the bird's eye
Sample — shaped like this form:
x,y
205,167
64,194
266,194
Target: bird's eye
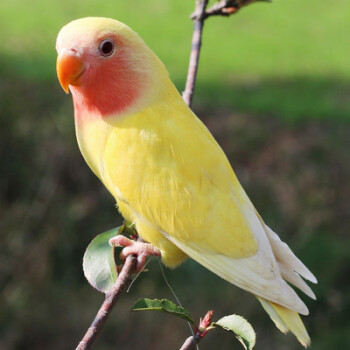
x,y
106,47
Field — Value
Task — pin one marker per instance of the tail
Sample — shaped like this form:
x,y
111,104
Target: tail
x,y
291,269
287,320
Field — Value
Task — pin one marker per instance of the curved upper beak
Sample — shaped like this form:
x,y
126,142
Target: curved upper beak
x,y
69,68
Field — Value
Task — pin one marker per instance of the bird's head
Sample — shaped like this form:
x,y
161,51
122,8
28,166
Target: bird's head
x,y
106,65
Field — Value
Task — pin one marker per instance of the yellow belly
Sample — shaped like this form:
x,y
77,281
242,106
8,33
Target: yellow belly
x,y
171,255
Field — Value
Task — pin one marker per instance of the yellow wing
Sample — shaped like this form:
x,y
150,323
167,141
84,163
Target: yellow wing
x,y
167,172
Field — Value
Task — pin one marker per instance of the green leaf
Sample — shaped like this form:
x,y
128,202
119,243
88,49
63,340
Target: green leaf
x,y
164,305
242,329
98,263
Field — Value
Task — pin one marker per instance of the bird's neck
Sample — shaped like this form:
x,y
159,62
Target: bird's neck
x,y
102,102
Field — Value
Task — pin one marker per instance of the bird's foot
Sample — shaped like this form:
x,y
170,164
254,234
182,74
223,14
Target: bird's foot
x,y
141,249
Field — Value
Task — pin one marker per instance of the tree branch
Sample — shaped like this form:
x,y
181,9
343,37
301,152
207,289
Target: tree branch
x,y
191,342
195,51
227,7
122,282
220,8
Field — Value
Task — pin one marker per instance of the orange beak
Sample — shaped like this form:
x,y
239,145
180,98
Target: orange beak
x,y
69,68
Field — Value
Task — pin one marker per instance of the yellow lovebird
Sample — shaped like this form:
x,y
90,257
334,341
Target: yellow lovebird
x,y
166,171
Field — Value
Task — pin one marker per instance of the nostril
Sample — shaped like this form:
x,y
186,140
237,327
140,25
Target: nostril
x,y
74,52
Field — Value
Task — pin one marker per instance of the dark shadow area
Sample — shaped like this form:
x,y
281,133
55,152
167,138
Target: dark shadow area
x,y
296,173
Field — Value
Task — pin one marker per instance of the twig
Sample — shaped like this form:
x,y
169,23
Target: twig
x,y
221,8
227,7
122,282
191,342
195,51
205,326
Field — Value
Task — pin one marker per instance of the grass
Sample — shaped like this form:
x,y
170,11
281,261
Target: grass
x,y
288,58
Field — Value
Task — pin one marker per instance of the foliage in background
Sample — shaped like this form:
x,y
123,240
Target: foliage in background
x,y
273,68
286,51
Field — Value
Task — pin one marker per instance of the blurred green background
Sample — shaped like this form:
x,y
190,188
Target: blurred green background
x,y
273,87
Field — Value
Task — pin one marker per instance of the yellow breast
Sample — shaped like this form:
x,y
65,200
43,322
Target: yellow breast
x,y
167,172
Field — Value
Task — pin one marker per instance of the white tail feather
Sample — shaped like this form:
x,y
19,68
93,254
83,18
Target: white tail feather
x,y
286,258
293,278
287,320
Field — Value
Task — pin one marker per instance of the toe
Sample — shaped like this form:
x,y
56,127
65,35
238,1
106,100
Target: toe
x,y
141,261
120,241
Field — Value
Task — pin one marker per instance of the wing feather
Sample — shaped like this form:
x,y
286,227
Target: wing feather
x,y
258,274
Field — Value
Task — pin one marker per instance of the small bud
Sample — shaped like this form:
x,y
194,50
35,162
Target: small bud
x,y
229,10
205,322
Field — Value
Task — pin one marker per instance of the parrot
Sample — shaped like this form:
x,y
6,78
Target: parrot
x,y
167,173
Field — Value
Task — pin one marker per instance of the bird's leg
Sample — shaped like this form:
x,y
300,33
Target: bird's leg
x,y
131,247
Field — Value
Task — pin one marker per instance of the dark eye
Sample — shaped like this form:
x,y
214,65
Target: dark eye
x,y
106,47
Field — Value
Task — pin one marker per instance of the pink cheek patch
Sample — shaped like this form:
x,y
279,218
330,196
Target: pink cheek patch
x,y
108,89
